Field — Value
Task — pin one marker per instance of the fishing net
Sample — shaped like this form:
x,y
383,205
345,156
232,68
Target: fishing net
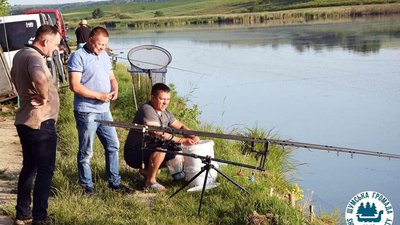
x,y
149,57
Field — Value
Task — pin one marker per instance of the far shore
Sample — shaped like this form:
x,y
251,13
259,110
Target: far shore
x,y
337,13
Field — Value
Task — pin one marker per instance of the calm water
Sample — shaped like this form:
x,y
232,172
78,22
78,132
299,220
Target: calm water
x,y
335,84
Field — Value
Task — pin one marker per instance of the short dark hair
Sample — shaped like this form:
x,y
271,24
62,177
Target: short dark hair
x,y
97,31
45,29
159,87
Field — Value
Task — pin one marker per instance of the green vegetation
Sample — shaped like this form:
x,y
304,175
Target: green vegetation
x,y
190,12
97,13
4,8
223,205
270,5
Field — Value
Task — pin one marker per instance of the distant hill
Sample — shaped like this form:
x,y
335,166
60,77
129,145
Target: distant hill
x,y
18,9
138,13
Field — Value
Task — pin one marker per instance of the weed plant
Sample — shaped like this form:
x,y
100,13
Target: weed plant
x,y
225,204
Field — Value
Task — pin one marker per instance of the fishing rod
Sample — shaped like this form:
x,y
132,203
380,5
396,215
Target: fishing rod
x,y
156,64
261,155
253,140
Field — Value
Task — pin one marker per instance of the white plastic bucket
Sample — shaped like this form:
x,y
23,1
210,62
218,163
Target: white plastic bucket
x,y
194,165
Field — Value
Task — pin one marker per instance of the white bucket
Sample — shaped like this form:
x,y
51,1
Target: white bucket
x,y
194,165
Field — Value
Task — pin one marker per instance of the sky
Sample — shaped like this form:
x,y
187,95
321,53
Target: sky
x,y
29,2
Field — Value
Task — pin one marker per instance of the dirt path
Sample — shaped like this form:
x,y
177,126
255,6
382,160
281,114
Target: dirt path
x,y
10,163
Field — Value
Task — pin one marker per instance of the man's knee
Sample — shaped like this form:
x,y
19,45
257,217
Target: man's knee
x,y
112,147
46,169
84,156
158,155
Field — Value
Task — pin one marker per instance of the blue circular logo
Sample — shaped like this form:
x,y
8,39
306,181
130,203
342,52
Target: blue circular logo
x,y
369,208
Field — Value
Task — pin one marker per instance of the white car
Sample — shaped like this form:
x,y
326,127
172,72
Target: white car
x,y
19,30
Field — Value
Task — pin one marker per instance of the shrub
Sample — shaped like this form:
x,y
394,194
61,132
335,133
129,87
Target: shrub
x,y
158,14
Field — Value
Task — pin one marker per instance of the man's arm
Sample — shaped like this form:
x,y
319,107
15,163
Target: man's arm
x,y
40,82
76,86
114,86
188,138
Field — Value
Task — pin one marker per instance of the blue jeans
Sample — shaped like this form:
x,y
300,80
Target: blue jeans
x,y
87,128
39,156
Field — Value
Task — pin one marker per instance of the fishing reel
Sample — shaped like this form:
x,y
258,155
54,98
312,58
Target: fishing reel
x,y
158,142
172,146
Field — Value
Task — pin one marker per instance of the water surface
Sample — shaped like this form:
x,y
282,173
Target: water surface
x,y
335,84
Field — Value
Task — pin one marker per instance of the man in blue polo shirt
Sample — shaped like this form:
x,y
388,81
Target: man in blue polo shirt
x,y
94,85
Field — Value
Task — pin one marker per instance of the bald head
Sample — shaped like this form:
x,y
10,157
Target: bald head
x,y
98,31
98,40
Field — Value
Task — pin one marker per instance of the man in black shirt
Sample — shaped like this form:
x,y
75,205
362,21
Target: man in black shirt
x,y
82,34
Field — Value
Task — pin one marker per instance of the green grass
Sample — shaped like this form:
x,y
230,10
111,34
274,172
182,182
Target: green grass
x,y
207,7
146,10
223,205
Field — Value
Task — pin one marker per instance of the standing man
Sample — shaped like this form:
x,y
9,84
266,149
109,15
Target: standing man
x,y
35,123
94,85
154,113
82,34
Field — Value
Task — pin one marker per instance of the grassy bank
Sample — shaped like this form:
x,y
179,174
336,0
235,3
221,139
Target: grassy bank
x,y
182,13
223,205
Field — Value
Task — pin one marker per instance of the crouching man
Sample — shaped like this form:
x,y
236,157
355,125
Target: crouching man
x,y
154,113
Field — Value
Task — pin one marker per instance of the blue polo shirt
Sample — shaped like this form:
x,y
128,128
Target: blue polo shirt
x,y
95,71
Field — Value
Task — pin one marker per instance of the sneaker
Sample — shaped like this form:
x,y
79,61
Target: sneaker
x,y
88,190
45,221
26,221
156,187
178,176
121,189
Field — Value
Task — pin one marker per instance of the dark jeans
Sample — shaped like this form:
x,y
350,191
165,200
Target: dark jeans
x,y
39,155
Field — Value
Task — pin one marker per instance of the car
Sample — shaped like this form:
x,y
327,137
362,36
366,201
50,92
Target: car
x,y
19,30
56,17
57,20
7,89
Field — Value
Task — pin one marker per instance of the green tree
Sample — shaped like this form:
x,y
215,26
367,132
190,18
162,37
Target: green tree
x,y
97,13
4,8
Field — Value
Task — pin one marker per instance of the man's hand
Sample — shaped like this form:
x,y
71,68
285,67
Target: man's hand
x,y
114,95
105,97
190,141
196,139
38,101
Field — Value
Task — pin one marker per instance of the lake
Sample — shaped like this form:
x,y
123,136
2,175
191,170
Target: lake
x,y
330,83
